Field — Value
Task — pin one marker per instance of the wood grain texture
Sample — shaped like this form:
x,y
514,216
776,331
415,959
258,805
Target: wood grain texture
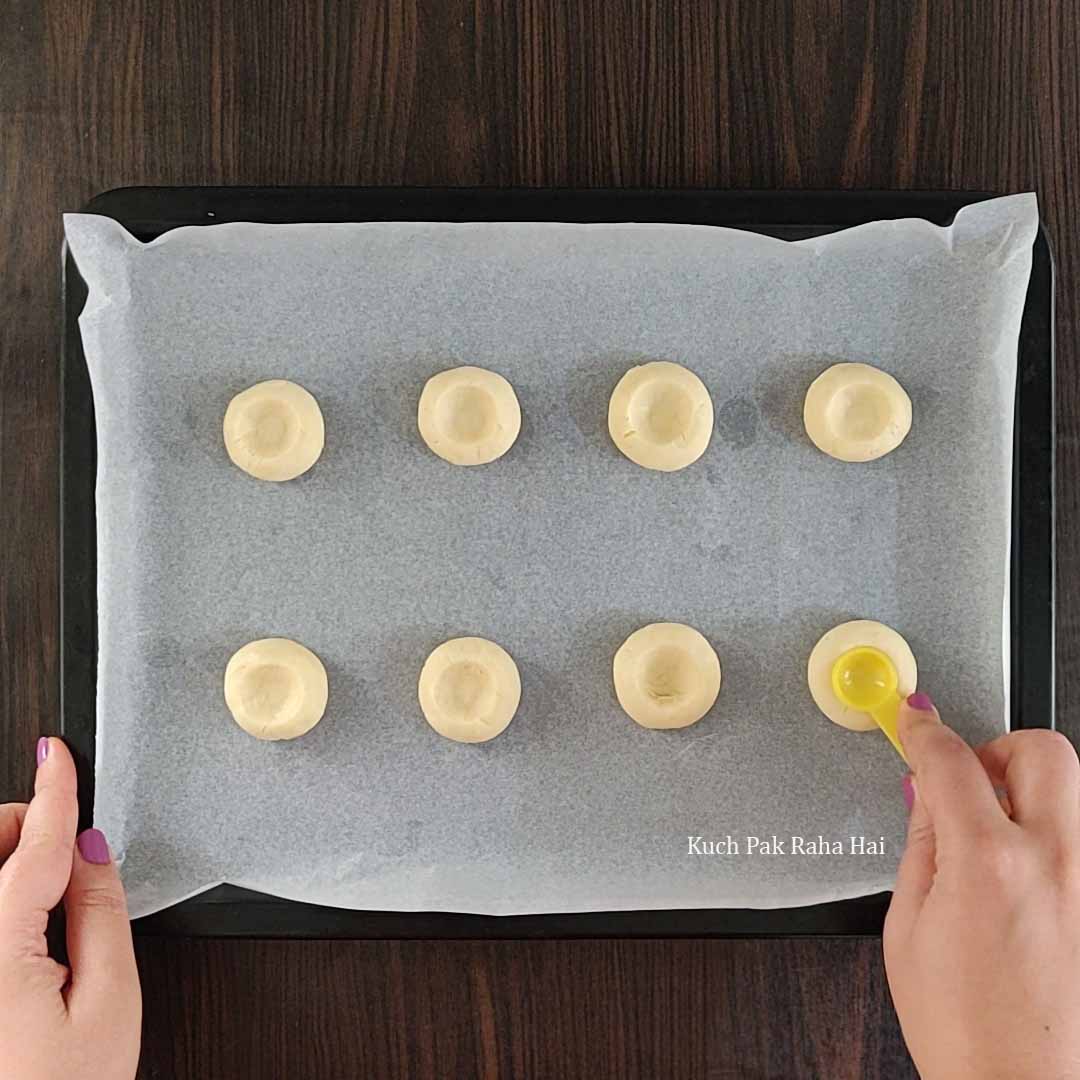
x,y
814,93
553,1009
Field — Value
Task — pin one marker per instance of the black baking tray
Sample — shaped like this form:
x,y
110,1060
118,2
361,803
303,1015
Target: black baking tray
x,y
790,215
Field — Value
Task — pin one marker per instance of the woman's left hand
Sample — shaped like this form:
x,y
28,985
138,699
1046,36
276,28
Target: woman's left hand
x,y
59,1023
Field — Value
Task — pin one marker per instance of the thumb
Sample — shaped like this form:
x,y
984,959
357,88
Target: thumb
x,y
100,951
950,780
915,875
34,878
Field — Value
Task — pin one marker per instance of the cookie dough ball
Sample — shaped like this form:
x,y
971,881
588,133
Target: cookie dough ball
x,y
854,412
468,415
469,689
274,430
839,640
666,676
275,688
661,416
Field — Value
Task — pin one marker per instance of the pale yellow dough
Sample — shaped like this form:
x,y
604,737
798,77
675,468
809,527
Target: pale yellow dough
x,y
839,640
855,412
469,689
274,430
667,675
275,688
661,416
468,415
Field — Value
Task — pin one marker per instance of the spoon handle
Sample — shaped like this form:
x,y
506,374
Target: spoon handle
x,y
885,718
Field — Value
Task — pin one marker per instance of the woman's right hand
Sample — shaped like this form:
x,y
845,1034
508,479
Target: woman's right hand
x,y
982,939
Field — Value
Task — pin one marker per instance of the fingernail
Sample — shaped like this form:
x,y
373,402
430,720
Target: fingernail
x,y
42,750
921,702
909,792
93,848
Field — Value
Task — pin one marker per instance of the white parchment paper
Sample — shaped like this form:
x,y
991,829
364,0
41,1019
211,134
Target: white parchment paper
x,y
557,551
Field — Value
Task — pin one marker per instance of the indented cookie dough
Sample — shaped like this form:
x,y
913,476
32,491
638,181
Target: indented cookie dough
x,y
275,688
274,430
839,640
469,689
661,416
667,675
855,412
468,415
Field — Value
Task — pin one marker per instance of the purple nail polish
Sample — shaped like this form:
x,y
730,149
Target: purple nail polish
x,y
42,750
921,702
909,792
93,848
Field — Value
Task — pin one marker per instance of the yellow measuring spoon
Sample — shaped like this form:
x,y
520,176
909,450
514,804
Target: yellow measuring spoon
x,y
865,679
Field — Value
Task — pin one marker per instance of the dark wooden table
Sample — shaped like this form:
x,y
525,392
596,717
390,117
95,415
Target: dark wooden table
x,y
979,94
